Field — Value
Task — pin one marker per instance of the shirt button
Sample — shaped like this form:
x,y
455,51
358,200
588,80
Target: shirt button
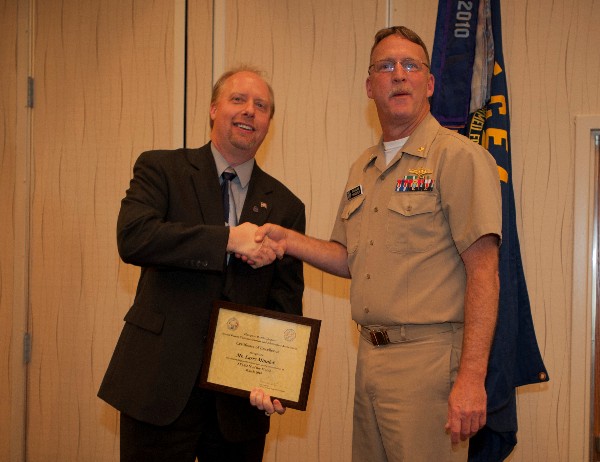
x,y
371,242
375,210
368,276
366,310
409,208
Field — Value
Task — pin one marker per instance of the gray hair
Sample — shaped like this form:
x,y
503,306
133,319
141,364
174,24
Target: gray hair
x,y
402,32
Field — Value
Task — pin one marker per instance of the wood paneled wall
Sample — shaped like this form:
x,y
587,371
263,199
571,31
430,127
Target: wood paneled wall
x,y
106,77
104,92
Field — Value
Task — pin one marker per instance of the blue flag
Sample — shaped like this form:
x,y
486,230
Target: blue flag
x,y
453,55
515,358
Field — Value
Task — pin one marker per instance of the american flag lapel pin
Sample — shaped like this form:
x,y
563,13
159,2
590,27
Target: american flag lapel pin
x,y
263,205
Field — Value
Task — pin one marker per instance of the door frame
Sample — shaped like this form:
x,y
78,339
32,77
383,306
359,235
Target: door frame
x,y
584,296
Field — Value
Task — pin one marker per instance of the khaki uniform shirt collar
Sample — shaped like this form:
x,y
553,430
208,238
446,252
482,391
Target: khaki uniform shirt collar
x,y
418,145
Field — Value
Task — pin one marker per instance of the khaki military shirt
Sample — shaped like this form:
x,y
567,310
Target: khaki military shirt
x,y
406,224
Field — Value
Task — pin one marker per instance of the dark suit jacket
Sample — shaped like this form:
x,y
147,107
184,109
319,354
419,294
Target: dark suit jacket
x,y
171,225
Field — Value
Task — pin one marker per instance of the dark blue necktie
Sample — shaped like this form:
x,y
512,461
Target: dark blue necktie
x,y
227,178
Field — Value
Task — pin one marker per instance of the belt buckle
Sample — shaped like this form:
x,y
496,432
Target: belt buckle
x,y
379,337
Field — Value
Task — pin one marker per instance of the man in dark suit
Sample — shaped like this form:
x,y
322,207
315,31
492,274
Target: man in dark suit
x,y
171,224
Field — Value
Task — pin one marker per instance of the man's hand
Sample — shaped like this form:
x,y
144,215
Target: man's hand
x,y
262,401
242,243
466,410
274,237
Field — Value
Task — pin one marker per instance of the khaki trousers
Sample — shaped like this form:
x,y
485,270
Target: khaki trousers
x,y
401,399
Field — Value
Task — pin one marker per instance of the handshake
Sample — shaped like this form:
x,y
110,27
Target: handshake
x,y
258,246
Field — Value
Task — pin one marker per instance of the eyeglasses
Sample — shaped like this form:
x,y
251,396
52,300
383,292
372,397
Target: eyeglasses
x,y
388,65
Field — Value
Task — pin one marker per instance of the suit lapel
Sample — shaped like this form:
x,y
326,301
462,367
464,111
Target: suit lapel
x,y
206,184
259,199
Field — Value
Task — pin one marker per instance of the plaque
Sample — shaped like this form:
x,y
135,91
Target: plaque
x,y
249,347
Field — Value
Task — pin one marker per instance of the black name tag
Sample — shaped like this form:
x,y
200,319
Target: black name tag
x,y
354,192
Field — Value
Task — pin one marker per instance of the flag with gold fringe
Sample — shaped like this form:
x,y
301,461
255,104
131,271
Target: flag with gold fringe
x,y
471,96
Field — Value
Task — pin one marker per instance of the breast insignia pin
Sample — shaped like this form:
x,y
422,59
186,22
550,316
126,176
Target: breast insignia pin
x,y
420,172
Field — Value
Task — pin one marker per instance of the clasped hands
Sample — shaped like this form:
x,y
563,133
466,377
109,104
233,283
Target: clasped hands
x,y
258,246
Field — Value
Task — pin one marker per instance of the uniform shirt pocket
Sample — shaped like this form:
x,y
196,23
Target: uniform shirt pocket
x,y
351,214
410,222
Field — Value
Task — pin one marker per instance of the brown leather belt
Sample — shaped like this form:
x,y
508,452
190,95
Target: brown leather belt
x,y
382,335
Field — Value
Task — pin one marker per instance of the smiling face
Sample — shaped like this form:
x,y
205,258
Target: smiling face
x,y
401,97
241,115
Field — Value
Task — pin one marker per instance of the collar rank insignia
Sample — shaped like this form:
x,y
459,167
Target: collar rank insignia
x,y
420,180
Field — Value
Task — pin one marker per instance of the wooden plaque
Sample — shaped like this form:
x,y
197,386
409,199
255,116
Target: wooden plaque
x,y
249,347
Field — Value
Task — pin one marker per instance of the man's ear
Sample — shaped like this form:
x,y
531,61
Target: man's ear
x,y
368,87
430,85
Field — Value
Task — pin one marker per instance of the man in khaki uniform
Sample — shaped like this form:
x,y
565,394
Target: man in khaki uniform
x,y
418,230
